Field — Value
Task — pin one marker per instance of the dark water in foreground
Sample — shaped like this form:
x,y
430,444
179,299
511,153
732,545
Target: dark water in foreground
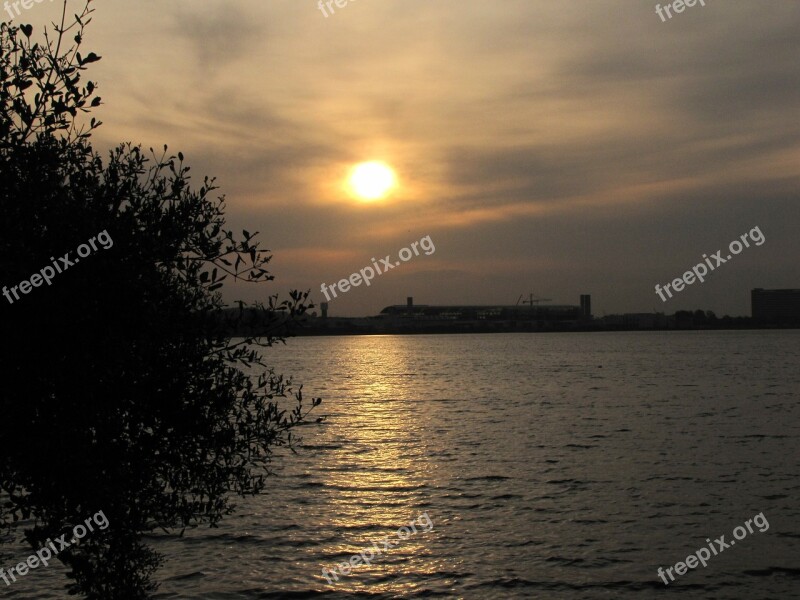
x,y
551,466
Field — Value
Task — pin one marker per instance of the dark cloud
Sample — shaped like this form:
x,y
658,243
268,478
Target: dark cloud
x,y
220,35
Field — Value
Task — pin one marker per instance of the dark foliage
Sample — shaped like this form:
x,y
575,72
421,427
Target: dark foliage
x,y
122,391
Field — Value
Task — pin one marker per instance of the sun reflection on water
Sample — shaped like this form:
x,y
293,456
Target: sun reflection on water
x,y
378,484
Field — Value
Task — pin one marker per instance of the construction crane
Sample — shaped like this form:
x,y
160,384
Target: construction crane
x,y
531,300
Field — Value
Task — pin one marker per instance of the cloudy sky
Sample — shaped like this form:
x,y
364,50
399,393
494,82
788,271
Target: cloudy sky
x,y
553,148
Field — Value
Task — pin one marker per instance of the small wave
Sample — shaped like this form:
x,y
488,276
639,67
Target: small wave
x,y
770,571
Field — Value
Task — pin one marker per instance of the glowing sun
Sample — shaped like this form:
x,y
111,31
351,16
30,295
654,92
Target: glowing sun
x,y
372,180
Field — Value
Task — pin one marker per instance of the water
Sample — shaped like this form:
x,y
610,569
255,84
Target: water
x,y
550,465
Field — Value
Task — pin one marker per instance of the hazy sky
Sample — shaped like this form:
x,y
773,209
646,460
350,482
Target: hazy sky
x,y
553,147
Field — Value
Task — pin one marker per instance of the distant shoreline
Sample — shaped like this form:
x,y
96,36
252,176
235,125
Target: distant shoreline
x,y
255,322
344,330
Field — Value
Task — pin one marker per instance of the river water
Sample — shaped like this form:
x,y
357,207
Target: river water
x,y
563,465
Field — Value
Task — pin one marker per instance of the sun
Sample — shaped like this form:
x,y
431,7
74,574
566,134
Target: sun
x,y
372,180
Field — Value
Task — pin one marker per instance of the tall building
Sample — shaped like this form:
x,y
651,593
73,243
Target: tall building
x,y
775,307
586,306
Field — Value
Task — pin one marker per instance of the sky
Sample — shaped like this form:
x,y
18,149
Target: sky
x,y
552,148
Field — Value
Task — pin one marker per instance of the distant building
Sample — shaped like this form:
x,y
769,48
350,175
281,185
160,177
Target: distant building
x,y
775,307
520,312
586,306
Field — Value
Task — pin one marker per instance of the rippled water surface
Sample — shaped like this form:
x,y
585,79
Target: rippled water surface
x,y
550,465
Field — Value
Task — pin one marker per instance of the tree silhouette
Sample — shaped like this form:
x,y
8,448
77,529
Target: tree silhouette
x,y
124,392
